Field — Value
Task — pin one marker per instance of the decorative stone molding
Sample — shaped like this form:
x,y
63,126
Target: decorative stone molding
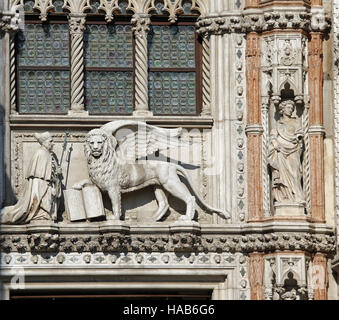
x,y
261,20
44,6
239,132
174,8
112,6
146,259
53,241
220,24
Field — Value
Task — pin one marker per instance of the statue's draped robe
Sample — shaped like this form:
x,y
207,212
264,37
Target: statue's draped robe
x,y
286,163
36,200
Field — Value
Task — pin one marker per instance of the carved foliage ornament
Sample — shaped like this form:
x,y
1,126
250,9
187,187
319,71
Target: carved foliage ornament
x,y
10,20
174,7
265,21
181,242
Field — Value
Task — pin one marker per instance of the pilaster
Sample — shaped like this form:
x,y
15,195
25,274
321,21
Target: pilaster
x,y
254,128
256,275
315,62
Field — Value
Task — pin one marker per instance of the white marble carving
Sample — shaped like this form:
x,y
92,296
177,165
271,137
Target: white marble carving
x,y
285,151
83,204
288,277
39,199
113,155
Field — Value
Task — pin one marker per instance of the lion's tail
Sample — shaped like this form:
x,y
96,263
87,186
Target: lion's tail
x,y
224,214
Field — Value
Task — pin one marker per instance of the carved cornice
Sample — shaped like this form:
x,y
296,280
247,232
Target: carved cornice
x,y
53,240
261,20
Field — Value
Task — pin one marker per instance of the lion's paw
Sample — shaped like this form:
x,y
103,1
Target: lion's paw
x,y
185,218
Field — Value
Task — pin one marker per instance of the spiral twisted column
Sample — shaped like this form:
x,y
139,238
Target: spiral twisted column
x,y
206,78
77,27
12,72
141,27
265,142
306,162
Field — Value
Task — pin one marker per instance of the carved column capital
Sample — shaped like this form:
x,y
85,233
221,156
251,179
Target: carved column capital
x,y
141,24
76,23
10,20
320,22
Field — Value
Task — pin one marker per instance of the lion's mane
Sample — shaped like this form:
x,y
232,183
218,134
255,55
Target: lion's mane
x,y
102,170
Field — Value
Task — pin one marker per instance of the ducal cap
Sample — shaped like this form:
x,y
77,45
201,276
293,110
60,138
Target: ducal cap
x,y
42,137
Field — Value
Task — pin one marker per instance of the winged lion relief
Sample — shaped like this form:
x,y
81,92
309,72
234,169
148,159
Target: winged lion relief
x,y
117,163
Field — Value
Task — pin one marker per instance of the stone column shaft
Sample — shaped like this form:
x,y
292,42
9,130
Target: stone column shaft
x,y
206,78
316,130
12,74
256,275
254,127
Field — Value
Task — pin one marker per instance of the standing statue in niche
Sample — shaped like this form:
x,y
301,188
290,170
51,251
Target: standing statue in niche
x,y
41,189
117,163
285,151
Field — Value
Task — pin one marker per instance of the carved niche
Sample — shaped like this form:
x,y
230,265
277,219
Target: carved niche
x,y
288,277
285,117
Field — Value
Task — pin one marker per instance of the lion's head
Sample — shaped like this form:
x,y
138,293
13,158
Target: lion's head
x,y
99,150
98,145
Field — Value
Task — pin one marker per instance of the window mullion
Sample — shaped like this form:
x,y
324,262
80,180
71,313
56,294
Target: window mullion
x,y
141,28
206,78
77,27
12,74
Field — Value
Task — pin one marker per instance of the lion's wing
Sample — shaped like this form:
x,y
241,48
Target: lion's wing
x,y
137,139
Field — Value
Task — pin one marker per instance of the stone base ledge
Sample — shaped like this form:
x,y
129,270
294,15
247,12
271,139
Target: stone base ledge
x,y
18,121
184,238
272,224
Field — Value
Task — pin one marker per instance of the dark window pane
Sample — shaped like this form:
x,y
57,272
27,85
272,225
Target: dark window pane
x,y
109,92
171,47
108,46
28,6
172,92
43,45
43,91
